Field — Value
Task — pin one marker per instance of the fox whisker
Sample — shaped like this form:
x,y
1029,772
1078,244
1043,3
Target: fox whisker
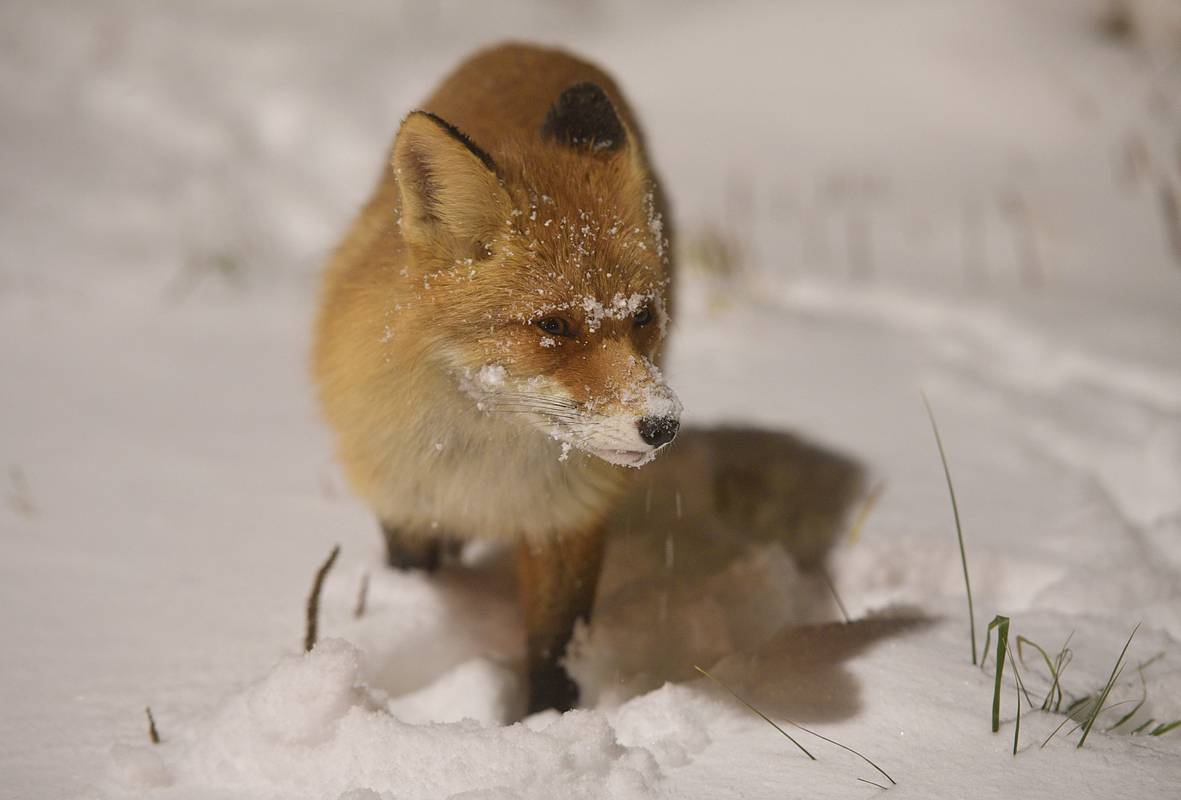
x,y
538,398
544,412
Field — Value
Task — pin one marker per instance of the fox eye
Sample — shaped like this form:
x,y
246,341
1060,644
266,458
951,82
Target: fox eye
x,y
643,316
555,326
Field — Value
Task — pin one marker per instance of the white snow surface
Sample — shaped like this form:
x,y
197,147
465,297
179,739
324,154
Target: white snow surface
x,y
958,197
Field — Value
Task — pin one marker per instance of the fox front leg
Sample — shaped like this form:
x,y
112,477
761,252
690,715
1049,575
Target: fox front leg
x,y
405,549
557,579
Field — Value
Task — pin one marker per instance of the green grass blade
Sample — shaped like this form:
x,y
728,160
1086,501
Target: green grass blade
x,y
835,596
1153,660
794,724
1054,732
1143,725
871,500
754,710
1061,661
1064,657
1017,678
1068,718
1050,667
1077,704
1017,730
959,531
1135,708
1002,640
1105,708
1022,641
1115,672
1161,730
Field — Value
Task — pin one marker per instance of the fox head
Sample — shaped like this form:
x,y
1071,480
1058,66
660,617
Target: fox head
x,y
544,274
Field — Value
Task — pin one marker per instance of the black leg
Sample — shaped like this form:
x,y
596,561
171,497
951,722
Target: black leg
x,y
410,552
550,687
557,579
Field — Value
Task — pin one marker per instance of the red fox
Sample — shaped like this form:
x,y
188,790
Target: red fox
x,y
489,332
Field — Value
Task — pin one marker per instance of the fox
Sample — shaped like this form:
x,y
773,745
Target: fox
x,y
490,331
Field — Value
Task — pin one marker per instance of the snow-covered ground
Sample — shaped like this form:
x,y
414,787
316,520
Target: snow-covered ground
x,y
966,198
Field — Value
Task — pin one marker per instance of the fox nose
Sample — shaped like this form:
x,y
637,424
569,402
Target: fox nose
x,y
658,431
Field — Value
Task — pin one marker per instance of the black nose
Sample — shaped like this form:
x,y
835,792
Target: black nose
x,y
658,430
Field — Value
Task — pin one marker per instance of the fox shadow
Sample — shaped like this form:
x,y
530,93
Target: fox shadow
x,y
719,551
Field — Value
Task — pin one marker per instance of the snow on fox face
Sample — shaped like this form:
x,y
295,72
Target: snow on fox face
x,y
583,372
544,286
626,425
574,318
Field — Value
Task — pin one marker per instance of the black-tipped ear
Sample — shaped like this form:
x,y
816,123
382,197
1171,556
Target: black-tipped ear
x,y
583,116
461,137
449,189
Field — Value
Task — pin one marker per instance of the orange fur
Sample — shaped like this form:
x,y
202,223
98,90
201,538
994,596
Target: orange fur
x,y
456,415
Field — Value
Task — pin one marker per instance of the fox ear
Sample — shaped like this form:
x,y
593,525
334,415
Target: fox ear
x,y
450,193
583,117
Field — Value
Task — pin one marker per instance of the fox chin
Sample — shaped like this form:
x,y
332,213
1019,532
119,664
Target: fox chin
x,y
490,331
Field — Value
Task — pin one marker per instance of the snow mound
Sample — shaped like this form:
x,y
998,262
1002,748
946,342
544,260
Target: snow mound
x,y
311,729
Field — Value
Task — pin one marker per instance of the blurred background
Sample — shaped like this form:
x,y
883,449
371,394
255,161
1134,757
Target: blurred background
x,y
980,198
220,146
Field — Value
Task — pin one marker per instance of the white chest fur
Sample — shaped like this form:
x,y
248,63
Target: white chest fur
x,y
473,474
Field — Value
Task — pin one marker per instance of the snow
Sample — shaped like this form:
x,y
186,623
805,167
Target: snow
x,y
490,376
482,382
956,197
618,307
657,399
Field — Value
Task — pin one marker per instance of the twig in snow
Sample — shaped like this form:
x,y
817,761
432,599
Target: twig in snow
x,y
362,596
309,639
153,734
